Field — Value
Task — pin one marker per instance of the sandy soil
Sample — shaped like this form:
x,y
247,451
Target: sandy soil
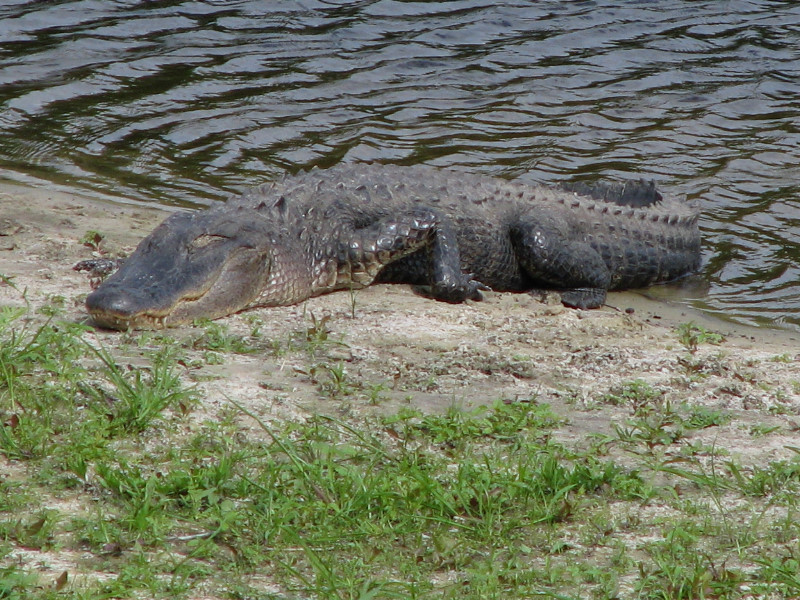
x,y
395,348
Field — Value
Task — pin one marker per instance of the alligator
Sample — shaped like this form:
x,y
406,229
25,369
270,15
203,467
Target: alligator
x,y
453,234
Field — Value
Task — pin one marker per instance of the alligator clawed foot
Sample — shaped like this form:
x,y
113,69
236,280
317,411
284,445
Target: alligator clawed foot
x,y
475,288
456,292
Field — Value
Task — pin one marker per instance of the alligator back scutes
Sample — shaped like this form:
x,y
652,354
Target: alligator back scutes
x,y
636,194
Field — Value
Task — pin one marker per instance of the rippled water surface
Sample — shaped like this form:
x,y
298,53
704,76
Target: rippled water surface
x,y
183,102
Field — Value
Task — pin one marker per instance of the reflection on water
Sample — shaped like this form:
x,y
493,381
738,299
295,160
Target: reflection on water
x,y
186,101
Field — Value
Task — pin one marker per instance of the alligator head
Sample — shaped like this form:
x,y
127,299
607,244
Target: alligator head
x,y
205,264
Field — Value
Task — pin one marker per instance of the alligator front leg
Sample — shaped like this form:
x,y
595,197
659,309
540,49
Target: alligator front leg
x,y
571,266
418,247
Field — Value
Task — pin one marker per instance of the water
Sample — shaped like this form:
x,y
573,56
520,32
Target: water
x,y
183,102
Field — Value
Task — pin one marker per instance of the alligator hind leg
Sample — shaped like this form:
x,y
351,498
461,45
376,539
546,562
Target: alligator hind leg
x,y
574,268
419,247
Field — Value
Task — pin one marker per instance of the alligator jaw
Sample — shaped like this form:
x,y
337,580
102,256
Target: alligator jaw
x,y
107,320
112,309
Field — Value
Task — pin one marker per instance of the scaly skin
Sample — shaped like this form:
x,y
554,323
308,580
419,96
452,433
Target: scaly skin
x,y
352,225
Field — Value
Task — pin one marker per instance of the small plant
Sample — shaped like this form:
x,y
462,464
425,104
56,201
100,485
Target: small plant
x,y
92,239
637,394
316,336
332,380
701,417
761,430
692,335
216,338
318,332
374,393
652,432
256,323
782,358
337,385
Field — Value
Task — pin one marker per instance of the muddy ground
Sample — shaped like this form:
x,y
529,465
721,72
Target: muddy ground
x,y
386,347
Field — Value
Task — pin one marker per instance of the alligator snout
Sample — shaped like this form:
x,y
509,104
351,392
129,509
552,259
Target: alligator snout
x,y
112,302
112,308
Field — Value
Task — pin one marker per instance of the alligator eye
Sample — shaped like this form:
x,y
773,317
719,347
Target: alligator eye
x,y
205,240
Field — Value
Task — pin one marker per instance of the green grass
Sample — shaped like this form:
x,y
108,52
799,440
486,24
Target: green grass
x,y
109,463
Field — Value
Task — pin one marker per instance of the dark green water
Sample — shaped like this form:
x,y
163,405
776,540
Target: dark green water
x,y
183,102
